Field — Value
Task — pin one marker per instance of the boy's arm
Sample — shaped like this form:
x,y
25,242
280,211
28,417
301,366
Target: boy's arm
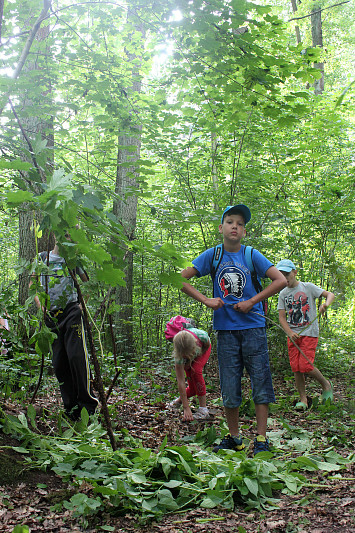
x,y
180,378
283,323
213,303
278,282
329,297
36,299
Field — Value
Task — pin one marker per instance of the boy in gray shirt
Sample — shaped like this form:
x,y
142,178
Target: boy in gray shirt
x,y
298,317
64,317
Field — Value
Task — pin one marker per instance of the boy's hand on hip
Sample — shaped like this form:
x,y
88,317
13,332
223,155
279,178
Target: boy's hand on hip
x,y
244,307
214,303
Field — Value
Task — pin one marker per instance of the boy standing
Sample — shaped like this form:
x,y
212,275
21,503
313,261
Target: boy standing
x,y
298,317
240,324
64,318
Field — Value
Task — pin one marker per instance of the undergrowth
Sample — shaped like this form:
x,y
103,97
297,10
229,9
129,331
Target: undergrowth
x,y
151,483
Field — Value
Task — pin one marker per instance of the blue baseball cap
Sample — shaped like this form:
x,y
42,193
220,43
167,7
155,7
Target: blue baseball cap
x,y
285,265
239,209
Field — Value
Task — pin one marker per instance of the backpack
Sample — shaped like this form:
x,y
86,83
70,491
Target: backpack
x,y
248,252
176,324
44,256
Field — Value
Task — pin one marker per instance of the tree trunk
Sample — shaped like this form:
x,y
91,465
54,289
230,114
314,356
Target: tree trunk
x,y
317,40
31,127
214,146
125,207
297,28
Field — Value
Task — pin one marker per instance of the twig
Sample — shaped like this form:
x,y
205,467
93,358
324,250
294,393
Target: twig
x,y
282,329
319,11
99,383
27,140
27,47
110,389
42,322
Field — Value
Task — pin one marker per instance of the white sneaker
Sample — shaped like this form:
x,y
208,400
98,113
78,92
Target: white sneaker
x,y
202,413
175,404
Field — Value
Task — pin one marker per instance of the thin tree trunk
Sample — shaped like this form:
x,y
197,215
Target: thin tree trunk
x,y
297,28
30,127
317,40
125,207
214,145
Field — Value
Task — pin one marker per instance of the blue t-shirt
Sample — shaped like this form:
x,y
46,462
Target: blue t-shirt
x,y
233,284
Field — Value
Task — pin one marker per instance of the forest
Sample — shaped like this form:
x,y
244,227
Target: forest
x,y
127,127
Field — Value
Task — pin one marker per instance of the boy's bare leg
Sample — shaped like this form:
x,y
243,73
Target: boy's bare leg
x,y
232,416
301,386
318,376
261,412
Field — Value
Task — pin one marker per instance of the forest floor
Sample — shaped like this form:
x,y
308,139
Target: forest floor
x,y
28,497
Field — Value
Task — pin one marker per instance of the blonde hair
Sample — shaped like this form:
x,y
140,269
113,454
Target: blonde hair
x,y
184,345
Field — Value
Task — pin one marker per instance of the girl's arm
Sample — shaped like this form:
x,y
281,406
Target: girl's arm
x,y
180,378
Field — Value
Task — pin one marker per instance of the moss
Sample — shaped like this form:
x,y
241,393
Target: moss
x,y
11,466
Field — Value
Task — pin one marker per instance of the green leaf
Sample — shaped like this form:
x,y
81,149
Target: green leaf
x,y
172,484
31,414
19,197
252,485
173,278
309,464
20,449
111,275
21,529
15,165
136,477
211,501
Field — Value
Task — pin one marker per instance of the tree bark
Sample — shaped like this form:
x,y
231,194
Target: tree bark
x,y
297,28
31,127
214,147
125,207
317,40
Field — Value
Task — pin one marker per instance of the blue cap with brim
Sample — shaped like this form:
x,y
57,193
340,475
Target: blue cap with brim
x,y
239,209
285,265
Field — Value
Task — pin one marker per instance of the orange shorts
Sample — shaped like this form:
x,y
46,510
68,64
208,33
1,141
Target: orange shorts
x,y
308,346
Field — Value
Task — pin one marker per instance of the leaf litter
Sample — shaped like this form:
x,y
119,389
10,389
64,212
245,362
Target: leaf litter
x,y
166,478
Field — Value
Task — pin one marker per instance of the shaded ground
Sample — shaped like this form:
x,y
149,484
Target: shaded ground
x,y
30,497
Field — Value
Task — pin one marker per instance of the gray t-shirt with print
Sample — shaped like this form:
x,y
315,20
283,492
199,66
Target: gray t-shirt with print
x,y
61,288
300,306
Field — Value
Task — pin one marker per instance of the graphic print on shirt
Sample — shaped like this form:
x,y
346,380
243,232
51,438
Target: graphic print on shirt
x,y
231,281
297,308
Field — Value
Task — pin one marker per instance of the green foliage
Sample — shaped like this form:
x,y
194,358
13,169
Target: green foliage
x,y
223,115
21,529
152,483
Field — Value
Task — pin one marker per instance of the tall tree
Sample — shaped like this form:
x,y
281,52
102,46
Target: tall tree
x,y
33,125
126,188
317,40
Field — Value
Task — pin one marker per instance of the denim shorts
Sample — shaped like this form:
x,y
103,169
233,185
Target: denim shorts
x,y
239,349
